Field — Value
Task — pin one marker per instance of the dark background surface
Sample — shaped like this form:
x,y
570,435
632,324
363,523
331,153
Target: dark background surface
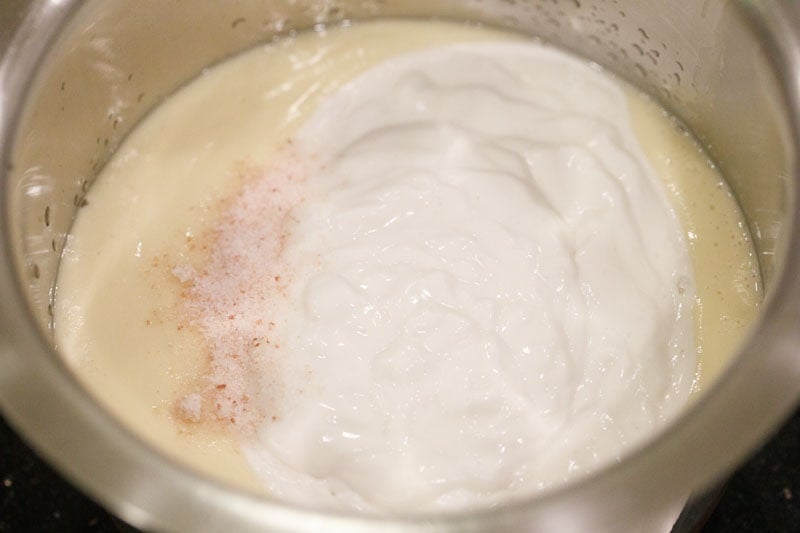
x,y
763,496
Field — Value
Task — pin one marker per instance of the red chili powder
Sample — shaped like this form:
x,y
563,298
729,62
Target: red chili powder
x,y
231,298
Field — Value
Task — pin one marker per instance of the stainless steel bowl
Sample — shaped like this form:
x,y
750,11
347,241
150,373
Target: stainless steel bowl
x,y
75,77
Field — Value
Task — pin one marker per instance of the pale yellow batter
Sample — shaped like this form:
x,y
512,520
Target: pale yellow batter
x,y
116,315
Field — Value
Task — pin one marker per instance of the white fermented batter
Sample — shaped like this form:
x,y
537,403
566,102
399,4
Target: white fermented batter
x,y
453,280
489,288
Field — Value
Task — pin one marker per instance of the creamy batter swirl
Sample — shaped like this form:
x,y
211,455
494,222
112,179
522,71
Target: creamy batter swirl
x,y
488,288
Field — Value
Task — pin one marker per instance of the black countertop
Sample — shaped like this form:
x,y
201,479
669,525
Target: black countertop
x,y
763,496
